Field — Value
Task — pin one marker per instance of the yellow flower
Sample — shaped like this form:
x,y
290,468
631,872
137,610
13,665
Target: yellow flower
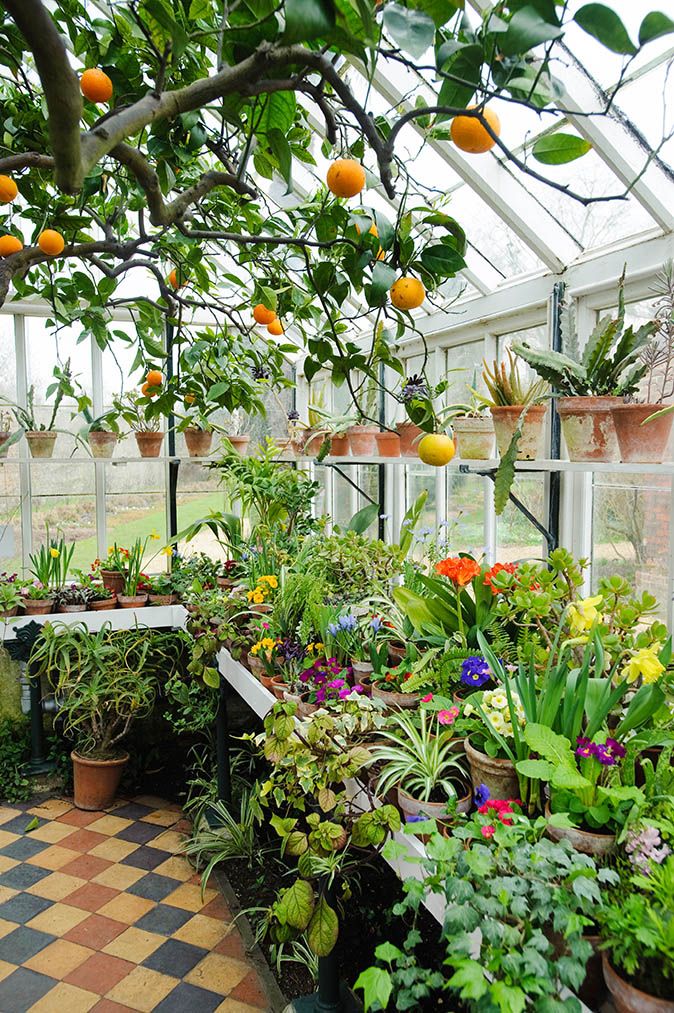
x,y
268,643
54,553
644,663
269,579
258,597
111,549
319,647
255,648
167,550
583,614
249,595
154,535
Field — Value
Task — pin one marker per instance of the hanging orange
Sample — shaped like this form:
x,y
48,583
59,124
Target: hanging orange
x,y
469,134
275,327
96,85
373,231
173,281
262,314
190,398
407,293
8,189
154,378
51,242
9,245
346,177
146,390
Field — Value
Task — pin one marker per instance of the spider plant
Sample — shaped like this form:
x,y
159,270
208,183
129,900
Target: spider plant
x,y
420,759
506,386
228,835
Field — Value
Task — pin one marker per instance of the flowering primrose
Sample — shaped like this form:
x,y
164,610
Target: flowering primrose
x,y
475,671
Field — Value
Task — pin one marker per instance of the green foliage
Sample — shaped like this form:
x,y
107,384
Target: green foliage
x,y
14,754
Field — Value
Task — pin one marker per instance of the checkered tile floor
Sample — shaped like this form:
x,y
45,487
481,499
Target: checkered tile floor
x,y
99,911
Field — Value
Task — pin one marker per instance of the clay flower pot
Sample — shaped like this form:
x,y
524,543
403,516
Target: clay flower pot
x,y
627,998
102,444
113,580
9,613
304,708
149,443
411,806
339,446
396,651
198,441
396,701
96,781
65,609
587,843
532,440
41,444
103,604
388,444
278,687
640,443
587,424
362,440
161,599
409,434
38,606
474,437
499,776
132,601
255,665
240,443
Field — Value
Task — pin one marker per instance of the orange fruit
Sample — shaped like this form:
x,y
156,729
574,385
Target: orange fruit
x,y
373,231
346,177
262,314
96,85
9,245
173,280
154,378
436,449
275,327
190,398
51,242
469,135
146,390
407,293
8,189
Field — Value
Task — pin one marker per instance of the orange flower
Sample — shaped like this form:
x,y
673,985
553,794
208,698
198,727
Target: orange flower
x,y
498,568
459,569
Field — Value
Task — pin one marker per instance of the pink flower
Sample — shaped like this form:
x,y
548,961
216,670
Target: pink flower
x,y
488,831
448,717
427,698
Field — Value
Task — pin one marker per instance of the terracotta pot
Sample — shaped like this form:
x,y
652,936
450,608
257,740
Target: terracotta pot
x,y
198,441
96,781
41,444
255,665
388,444
411,806
240,443
9,613
113,580
362,668
102,444
396,651
311,442
278,687
149,443
304,708
267,681
71,608
340,446
38,606
103,604
363,440
161,599
474,438
627,998
409,434
396,701
499,776
132,601
639,443
4,437
587,843
587,424
532,441
285,448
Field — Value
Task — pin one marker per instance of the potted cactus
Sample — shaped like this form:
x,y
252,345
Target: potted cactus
x,y
516,406
589,385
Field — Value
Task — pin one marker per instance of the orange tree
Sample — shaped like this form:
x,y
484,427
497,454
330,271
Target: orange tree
x,y
147,134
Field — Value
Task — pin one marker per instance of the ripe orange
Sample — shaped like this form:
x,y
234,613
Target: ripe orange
x,y
8,189
275,327
51,242
436,449
96,85
262,314
173,280
346,177
154,378
407,293
373,231
146,391
9,245
469,135
190,398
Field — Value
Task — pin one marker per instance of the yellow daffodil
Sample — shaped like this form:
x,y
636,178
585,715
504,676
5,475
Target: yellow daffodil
x,y
255,648
167,550
583,614
154,535
54,553
268,643
319,647
645,663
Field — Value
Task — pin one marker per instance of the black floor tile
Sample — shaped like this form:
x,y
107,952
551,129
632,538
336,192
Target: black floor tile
x,y
140,833
24,848
175,958
132,811
154,887
23,876
20,945
164,919
18,824
145,858
22,989
23,907
189,997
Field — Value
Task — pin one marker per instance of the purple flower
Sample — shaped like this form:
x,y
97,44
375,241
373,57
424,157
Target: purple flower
x,y
481,794
645,846
336,684
293,416
320,696
475,672
409,818
347,622
414,387
376,624
613,748
584,747
332,629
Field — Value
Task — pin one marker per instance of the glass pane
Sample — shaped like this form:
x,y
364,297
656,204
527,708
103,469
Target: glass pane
x,y
516,537
465,513
136,505
198,494
63,498
10,519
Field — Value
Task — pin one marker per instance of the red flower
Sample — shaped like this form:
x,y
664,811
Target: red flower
x,y
427,698
501,808
498,568
488,831
459,569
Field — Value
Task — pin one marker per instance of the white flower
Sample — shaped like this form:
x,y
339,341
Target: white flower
x,y
497,721
499,700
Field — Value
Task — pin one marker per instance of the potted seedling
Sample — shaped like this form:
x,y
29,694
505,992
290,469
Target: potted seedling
x,y
195,428
515,406
50,566
103,434
310,439
138,413
10,598
363,433
331,434
99,597
42,436
131,596
473,429
589,385
235,434
159,588
38,600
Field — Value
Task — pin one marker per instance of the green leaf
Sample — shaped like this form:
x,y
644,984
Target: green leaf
x,y
308,19
278,113
505,473
470,979
604,25
383,277
553,747
376,985
442,260
33,825
323,929
463,64
279,145
362,519
296,905
387,952
541,770
557,148
413,30
211,677
327,799
526,30
654,26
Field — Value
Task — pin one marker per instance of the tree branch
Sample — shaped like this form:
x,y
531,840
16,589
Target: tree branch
x,y
60,85
27,160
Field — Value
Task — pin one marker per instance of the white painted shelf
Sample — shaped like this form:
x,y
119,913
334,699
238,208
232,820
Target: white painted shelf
x,y
152,616
469,467
104,460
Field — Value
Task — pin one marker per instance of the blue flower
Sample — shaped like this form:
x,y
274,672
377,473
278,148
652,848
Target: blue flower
x,y
409,818
475,672
481,794
332,629
376,624
347,622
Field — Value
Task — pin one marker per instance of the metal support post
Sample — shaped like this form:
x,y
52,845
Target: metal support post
x,y
224,774
554,477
